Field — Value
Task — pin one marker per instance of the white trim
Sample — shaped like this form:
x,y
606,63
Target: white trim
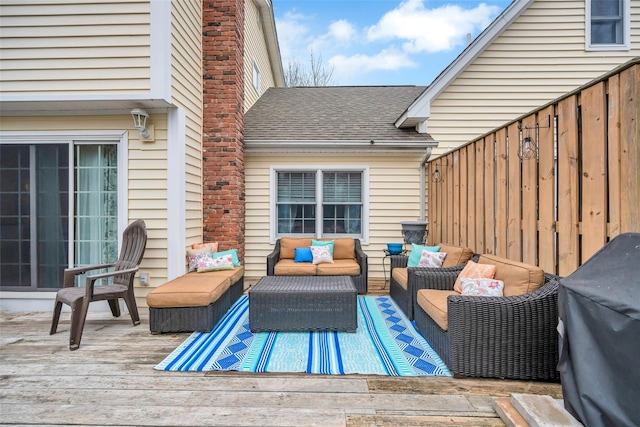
x,y
176,188
160,47
271,37
626,28
419,109
274,169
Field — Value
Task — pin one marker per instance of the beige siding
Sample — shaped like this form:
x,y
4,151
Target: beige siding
x,y
147,178
537,59
74,47
255,51
186,62
394,196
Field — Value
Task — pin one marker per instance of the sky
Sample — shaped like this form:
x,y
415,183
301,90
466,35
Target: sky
x,y
380,42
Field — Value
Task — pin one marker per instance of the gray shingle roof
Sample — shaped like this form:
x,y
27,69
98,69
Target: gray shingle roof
x,y
335,113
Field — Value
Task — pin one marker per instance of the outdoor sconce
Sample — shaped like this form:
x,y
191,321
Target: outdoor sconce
x,y
140,123
528,147
437,176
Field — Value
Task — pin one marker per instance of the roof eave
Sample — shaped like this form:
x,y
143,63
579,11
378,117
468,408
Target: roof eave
x,y
416,109
271,36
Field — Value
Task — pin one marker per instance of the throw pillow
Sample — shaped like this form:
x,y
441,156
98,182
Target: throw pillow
x,y
194,255
321,254
431,259
303,255
483,287
328,243
473,270
416,253
212,245
233,253
224,262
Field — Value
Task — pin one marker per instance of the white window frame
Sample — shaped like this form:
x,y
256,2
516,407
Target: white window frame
x,y
626,28
120,138
256,77
273,191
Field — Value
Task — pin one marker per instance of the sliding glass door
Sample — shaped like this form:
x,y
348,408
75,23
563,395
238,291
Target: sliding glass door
x,y
35,184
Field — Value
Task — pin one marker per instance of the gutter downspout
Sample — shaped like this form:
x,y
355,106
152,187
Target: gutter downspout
x,y
423,183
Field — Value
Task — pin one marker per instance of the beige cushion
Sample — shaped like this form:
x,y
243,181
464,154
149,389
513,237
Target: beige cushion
x,y
434,303
288,267
401,275
191,290
344,248
456,255
339,267
519,278
288,246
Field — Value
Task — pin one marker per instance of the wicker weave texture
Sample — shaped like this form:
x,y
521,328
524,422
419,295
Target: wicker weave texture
x,y
194,319
303,303
499,337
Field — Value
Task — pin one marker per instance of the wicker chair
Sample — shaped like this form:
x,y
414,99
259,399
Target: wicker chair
x,y
498,337
134,241
404,297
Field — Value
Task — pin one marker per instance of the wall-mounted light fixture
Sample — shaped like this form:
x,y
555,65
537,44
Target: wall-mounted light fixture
x,y
528,147
437,176
140,123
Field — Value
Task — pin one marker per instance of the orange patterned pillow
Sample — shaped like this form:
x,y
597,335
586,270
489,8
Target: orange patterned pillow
x,y
473,270
213,245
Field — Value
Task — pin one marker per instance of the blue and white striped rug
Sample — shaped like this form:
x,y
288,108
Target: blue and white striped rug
x,y
386,343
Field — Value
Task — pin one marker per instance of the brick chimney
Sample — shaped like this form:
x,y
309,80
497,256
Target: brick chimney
x,y
223,124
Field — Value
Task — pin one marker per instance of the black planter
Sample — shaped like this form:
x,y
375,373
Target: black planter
x,y
414,232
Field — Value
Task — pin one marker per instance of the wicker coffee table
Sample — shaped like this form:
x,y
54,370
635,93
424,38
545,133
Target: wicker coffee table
x,y
303,303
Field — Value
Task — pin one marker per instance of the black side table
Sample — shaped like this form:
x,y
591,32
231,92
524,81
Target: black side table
x,y
388,254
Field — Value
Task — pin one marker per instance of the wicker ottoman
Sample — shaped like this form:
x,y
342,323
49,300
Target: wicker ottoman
x,y
303,303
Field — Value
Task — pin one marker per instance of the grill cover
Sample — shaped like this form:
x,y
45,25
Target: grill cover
x,y
599,309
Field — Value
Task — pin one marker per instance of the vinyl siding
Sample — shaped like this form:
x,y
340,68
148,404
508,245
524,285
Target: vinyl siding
x,y
537,59
186,64
74,47
255,50
394,196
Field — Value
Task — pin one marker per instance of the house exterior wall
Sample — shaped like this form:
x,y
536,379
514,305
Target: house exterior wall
x,y
146,177
394,196
75,47
186,72
538,58
255,51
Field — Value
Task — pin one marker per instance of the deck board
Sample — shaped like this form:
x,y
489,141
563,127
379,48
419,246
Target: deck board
x,y
110,381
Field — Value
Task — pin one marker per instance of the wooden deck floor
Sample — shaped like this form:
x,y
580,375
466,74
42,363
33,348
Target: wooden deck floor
x,y
110,380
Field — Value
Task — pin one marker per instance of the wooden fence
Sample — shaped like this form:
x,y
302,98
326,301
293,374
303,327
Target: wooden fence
x,y
580,188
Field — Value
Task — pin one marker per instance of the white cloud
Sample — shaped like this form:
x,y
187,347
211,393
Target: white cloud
x,y
431,30
292,35
341,30
345,67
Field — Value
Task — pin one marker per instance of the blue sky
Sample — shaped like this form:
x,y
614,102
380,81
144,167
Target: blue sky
x,y
380,42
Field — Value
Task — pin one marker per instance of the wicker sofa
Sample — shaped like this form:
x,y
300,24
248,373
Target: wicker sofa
x,y
348,260
404,279
501,337
194,301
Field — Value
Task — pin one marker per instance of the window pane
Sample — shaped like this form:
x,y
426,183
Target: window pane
x,y
342,187
96,216
606,22
296,187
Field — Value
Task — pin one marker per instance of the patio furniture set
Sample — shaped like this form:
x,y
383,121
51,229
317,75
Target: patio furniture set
x,y
512,336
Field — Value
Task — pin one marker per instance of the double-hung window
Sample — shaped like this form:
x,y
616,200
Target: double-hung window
x,y
608,24
320,202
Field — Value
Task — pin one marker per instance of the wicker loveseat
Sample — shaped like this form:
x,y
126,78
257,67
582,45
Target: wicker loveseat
x,y
404,279
348,260
501,337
